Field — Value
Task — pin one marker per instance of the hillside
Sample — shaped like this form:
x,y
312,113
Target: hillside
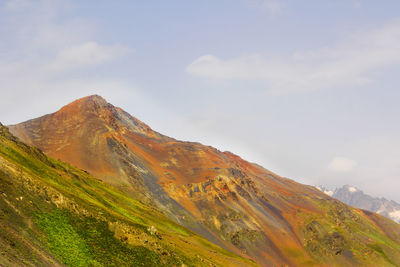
x,y
357,198
52,214
235,204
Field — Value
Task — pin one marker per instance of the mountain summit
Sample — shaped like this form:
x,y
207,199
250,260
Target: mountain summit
x,y
86,133
237,205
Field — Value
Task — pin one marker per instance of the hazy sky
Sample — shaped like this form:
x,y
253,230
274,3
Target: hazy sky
x,y
308,89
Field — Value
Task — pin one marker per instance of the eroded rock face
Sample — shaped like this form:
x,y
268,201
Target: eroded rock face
x,y
235,204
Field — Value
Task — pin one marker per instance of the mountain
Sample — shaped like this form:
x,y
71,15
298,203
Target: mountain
x,y
239,206
52,214
357,198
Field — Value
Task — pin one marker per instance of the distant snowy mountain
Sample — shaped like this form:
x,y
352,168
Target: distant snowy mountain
x,y
325,190
357,198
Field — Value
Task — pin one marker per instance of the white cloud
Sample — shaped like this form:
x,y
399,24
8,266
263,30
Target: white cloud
x,y
87,54
45,56
347,64
341,164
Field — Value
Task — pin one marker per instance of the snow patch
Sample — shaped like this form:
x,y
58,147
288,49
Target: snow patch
x,y
352,189
325,191
328,192
395,215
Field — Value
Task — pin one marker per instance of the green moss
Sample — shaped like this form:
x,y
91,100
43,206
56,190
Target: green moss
x,y
88,242
62,239
110,251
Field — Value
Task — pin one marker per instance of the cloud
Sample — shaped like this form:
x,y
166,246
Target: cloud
x,y
377,168
350,63
40,45
46,55
87,54
341,164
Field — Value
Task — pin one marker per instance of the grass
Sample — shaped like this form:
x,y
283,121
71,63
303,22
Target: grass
x,y
63,240
88,242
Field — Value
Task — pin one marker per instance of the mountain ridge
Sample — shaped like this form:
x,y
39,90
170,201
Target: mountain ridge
x,y
236,204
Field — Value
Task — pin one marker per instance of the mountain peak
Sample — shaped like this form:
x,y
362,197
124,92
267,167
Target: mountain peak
x,y
87,117
94,99
351,189
89,99
90,103
94,110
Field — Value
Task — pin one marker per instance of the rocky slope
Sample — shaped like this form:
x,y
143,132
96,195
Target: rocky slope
x,y
52,214
357,198
235,204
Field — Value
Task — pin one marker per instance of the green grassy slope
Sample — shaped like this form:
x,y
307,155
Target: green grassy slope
x,y
53,214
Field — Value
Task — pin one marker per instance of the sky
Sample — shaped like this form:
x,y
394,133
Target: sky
x,y
307,89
